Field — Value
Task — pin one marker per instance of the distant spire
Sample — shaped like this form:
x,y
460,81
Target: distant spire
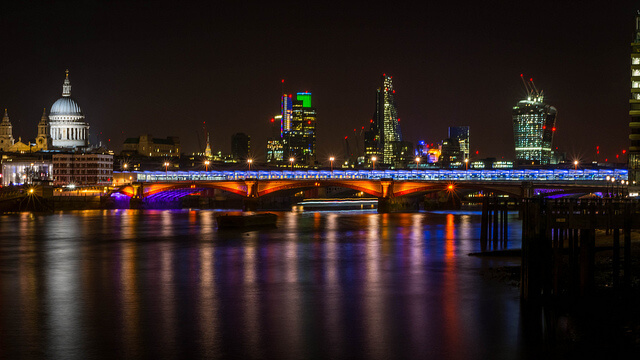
x,y
66,86
207,150
5,118
43,119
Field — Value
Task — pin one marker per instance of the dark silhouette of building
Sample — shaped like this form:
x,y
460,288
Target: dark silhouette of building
x,y
461,133
450,152
240,146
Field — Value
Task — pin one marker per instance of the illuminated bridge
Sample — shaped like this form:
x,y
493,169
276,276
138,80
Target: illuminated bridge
x,y
386,185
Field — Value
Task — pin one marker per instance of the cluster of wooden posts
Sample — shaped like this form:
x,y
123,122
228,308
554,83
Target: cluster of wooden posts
x,y
495,221
558,244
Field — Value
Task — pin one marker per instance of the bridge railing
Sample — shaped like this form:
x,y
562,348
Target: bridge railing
x,y
449,175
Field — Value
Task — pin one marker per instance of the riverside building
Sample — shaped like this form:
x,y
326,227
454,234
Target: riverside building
x,y
634,107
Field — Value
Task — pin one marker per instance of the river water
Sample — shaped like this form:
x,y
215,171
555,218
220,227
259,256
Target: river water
x,y
166,284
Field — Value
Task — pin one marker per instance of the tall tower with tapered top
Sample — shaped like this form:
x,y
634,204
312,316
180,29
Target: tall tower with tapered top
x,y
384,135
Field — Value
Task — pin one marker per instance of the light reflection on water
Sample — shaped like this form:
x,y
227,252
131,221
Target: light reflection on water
x,y
167,284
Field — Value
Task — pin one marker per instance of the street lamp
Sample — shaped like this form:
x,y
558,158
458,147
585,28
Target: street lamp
x,y
417,162
331,161
575,164
291,160
249,161
166,167
206,165
466,164
373,160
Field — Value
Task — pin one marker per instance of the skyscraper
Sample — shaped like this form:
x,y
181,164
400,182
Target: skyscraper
x,y
534,124
299,124
634,106
297,136
384,131
461,133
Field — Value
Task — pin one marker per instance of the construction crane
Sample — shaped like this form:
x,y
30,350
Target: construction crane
x,y
530,87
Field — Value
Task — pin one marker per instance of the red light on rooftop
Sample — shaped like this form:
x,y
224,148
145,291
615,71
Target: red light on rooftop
x,y
398,120
283,81
544,127
477,152
598,147
371,120
553,129
345,137
354,130
530,79
289,95
624,151
617,156
363,128
384,74
521,75
394,91
272,119
309,122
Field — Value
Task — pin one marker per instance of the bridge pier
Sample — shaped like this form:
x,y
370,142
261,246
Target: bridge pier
x,y
138,195
386,203
250,202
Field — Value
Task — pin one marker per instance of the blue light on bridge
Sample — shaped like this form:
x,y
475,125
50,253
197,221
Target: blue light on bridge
x,y
433,175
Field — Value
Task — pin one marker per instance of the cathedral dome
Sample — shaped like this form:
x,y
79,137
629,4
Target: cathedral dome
x,y
65,106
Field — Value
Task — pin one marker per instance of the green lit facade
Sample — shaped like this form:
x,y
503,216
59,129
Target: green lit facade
x,y
534,124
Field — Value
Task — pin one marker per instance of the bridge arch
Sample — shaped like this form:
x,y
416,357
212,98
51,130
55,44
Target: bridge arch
x,y
269,187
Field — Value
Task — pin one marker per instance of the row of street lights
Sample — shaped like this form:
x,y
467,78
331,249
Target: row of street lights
x,y
331,160
617,184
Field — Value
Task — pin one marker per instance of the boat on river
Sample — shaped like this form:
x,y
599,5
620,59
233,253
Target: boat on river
x,y
245,220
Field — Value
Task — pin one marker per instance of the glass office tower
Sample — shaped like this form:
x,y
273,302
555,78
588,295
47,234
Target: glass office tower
x,y
534,124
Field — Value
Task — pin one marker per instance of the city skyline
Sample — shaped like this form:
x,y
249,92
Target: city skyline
x,y
125,93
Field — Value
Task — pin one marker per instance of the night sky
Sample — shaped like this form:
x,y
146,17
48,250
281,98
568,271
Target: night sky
x,y
165,67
